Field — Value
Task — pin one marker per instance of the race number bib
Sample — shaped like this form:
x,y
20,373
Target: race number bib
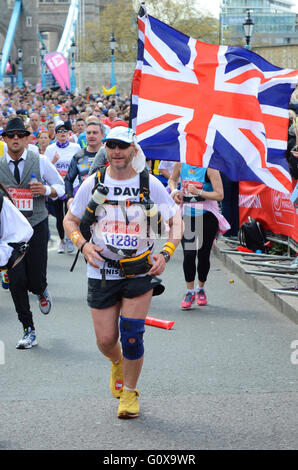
x,y
23,199
119,236
62,168
185,186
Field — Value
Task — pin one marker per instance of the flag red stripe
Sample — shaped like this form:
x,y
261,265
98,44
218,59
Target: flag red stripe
x,y
156,122
141,25
274,171
157,56
276,127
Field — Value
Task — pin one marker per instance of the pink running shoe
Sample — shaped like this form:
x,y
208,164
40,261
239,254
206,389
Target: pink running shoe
x,y
188,300
201,297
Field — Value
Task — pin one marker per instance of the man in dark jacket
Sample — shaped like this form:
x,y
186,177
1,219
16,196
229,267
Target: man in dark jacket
x,y
82,161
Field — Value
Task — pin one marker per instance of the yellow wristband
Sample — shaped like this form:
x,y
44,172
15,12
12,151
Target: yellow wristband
x,y
169,247
75,235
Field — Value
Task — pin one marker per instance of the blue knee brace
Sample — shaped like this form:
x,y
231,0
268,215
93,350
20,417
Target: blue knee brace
x,y
132,328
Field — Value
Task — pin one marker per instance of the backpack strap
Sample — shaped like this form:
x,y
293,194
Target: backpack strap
x,y
1,200
144,185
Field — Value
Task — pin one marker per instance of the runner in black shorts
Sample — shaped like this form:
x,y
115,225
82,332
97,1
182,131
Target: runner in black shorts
x,y
121,266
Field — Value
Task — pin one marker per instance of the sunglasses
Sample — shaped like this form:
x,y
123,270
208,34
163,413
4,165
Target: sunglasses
x,y
19,134
111,144
61,131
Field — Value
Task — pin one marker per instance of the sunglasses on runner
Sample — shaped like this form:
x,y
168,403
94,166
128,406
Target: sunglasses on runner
x,y
112,144
61,131
19,134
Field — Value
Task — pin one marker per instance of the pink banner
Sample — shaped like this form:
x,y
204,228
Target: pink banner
x,y
58,65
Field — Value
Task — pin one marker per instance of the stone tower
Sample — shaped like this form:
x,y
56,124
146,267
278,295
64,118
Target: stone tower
x,y
48,17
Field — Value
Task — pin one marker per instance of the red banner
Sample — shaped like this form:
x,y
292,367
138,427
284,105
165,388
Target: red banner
x,y
272,209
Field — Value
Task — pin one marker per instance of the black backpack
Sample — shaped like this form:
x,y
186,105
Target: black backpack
x,y
252,235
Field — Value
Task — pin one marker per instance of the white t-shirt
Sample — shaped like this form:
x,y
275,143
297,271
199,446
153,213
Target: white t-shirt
x,y
166,165
33,148
65,156
14,228
111,230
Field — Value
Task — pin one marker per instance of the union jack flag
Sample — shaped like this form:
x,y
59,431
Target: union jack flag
x,y
208,105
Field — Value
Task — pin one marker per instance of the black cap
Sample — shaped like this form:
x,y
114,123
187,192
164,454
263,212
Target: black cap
x,y
15,124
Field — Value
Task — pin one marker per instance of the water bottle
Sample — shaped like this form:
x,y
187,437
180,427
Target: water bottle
x,y
34,180
99,197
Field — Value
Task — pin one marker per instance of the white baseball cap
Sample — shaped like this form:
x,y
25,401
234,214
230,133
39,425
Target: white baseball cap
x,y
128,135
121,133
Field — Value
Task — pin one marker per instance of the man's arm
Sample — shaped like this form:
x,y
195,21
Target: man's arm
x,y
71,225
15,228
70,176
51,176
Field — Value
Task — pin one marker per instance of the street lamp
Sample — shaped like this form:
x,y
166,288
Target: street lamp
x,y
20,68
248,26
42,56
73,83
113,45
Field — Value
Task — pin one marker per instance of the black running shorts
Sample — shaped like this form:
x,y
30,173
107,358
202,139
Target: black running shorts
x,y
115,290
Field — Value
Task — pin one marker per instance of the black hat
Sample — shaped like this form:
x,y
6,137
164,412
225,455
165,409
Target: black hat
x,y
15,124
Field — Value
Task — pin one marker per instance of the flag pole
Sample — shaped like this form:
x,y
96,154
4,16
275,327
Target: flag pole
x,y
141,12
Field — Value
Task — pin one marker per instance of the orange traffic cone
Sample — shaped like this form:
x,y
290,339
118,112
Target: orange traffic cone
x,y
158,322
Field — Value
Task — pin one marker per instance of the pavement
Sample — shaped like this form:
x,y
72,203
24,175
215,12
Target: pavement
x,y
224,377
239,264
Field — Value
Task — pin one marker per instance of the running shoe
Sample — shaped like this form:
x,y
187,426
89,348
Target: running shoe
x,y
5,280
28,340
201,297
69,246
188,300
129,406
61,247
45,302
116,379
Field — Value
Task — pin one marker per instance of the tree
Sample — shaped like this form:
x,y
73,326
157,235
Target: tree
x,y
121,17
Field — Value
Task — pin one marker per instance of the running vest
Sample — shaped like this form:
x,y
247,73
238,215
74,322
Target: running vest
x,y
39,211
198,176
144,182
121,227
84,161
138,219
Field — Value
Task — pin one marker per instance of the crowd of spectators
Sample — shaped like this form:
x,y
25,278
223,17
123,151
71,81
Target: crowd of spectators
x,y
43,110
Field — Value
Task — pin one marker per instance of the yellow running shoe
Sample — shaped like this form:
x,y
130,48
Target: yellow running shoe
x,y
129,406
116,379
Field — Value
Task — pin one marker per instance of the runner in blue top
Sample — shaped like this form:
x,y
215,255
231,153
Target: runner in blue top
x,y
201,188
